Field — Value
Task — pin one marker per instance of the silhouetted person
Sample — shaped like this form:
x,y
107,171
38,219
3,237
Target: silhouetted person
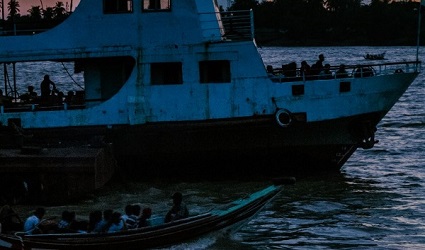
x,y
104,225
4,100
269,69
341,72
146,214
305,69
30,96
58,99
95,219
318,66
32,222
326,72
10,220
290,69
45,89
319,62
179,209
69,98
65,222
117,224
131,216
128,212
133,219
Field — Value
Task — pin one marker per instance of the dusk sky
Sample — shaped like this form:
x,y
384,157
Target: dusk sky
x,y
27,4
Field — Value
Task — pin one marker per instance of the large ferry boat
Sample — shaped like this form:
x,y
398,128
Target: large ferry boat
x,y
180,87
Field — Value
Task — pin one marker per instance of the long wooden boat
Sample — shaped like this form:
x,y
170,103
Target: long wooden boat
x,y
171,82
159,234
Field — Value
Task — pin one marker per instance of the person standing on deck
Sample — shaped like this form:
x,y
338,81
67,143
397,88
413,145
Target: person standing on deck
x,y
45,89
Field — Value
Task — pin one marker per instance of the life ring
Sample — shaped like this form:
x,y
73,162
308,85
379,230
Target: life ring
x,y
283,117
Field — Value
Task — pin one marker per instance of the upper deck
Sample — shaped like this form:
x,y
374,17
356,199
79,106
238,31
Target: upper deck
x,y
121,28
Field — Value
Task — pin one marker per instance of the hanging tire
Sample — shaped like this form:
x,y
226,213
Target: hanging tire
x,y
283,118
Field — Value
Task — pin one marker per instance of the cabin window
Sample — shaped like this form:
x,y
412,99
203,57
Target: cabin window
x,y
214,71
166,73
344,87
117,6
156,5
297,90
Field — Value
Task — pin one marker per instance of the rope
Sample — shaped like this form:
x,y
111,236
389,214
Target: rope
x,y
63,65
7,79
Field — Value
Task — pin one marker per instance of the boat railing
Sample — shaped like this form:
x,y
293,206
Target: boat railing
x,y
15,107
232,25
285,74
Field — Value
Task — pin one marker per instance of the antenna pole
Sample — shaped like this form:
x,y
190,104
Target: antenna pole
x,y
419,29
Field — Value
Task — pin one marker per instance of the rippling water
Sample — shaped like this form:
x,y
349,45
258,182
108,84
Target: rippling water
x,y
376,202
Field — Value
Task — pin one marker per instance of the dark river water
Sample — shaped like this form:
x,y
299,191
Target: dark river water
x,y
375,202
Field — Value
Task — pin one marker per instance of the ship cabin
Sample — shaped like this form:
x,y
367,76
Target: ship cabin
x,y
95,54
126,55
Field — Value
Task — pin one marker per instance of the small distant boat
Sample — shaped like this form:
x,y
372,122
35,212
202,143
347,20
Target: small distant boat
x,y
159,234
375,56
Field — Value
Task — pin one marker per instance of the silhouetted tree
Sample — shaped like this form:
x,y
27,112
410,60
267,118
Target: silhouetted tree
x,y
59,11
325,22
13,8
48,13
35,13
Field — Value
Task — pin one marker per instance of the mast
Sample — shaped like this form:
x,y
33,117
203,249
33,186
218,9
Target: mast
x,y
419,28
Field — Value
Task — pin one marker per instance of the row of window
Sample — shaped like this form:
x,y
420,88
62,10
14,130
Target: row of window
x,y
172,73
126,6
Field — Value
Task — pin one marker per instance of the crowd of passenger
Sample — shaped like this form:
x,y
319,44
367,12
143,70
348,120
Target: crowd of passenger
x,y
106,221
318,70
49,95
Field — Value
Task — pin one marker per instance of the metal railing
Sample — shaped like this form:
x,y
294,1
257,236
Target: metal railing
x,y
231,25
238,25
287,74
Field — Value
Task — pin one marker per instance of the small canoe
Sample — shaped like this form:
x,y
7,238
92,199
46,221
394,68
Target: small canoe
x,y
161,234
380,56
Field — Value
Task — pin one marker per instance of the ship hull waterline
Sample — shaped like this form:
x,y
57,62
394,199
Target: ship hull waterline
x,y
255,146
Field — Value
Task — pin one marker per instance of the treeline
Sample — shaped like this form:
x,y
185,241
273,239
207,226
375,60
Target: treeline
x,y
36,17
334,22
